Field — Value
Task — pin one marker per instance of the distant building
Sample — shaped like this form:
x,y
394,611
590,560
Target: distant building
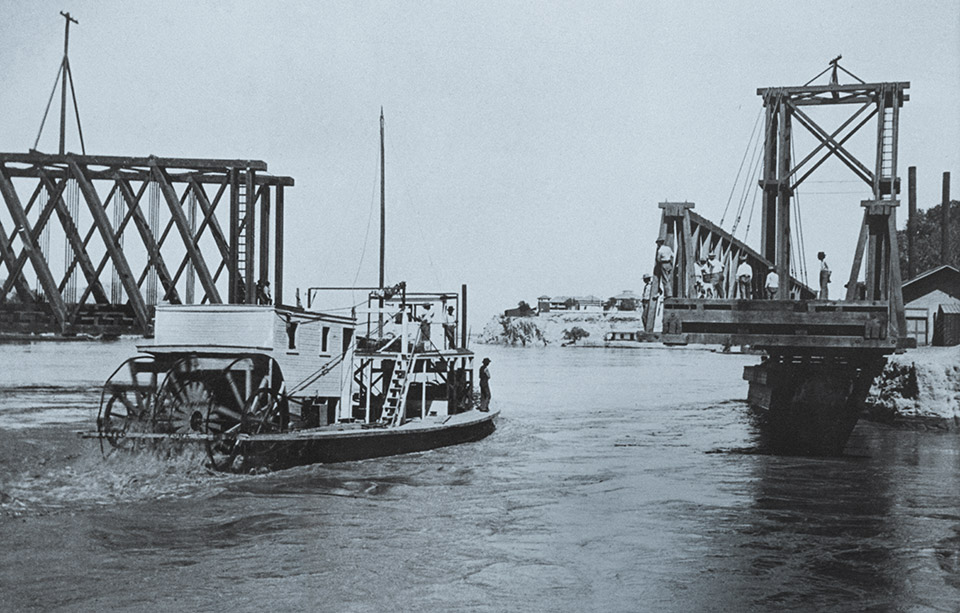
x,y
925,297
626,300
546,304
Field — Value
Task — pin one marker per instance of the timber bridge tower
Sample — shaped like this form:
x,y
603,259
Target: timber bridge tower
x,y
135,232
821,354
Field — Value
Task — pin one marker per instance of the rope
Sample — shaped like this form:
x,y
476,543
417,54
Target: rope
x,y
366,235
47,110
742,160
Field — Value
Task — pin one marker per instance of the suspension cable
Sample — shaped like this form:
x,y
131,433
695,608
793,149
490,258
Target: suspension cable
x,y
733,188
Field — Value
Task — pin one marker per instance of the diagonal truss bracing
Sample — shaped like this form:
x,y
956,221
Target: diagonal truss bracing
x,y
112,188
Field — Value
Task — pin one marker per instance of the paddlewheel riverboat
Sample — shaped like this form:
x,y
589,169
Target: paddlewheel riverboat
x,y
277,386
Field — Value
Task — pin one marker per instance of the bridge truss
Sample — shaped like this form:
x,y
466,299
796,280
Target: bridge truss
x,y
173,230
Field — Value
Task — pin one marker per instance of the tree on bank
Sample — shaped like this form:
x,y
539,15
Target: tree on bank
x,y
927,240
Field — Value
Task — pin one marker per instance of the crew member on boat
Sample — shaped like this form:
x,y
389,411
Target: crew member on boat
x,y
485,385
450,327
426,320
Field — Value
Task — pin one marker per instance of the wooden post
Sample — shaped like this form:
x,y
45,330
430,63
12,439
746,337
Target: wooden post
x,y
233,263
250,212
463,316
264,270
945,221
782,262
911,221
768,227
278,250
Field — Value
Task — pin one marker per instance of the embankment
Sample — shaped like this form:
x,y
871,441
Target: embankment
x,y
555,328
921,385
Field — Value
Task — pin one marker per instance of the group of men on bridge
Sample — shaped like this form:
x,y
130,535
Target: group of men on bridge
x,y
708,277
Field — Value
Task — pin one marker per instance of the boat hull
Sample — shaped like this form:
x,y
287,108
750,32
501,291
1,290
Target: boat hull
x,y
324,446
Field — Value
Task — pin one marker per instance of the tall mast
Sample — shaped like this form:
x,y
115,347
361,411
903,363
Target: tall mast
x,y
63,86
383,200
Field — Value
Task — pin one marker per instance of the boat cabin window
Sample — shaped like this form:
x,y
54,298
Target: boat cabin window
x,y
292,334
324,339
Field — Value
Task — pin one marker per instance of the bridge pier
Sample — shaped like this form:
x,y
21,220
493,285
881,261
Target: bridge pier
x,y
809,404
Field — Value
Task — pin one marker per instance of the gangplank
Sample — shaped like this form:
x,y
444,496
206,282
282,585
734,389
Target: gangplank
x,y
821,355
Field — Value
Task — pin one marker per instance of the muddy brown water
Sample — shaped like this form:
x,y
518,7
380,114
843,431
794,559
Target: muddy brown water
x,y
618,480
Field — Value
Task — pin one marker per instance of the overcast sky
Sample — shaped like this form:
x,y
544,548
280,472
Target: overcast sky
x,y
528,143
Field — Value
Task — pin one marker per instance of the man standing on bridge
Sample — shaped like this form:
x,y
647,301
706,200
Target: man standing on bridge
x,y
745,280
665,267
824,276
773,284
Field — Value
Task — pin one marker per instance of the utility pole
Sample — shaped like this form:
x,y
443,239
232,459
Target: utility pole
x,y
63,83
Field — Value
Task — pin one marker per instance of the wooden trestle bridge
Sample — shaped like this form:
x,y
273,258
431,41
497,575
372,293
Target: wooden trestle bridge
x,y
821,355
200,233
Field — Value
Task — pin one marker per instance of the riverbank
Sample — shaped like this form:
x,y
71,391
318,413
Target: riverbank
x,y
920,386
557,328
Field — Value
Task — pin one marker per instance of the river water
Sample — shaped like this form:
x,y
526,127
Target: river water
x,y
617,480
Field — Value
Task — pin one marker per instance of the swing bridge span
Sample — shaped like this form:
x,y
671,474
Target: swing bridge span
x,y
869,319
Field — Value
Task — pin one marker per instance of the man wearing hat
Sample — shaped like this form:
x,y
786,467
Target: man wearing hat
x,y
665,267
485,385
645,298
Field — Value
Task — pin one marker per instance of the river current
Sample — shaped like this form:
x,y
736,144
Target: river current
x,y
617,480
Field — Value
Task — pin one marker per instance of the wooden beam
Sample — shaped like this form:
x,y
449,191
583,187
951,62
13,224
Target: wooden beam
x,y
835,148
80,255
36,256
210,220
14,279
117,233
898,318
153,249
183,226
35,157
233,264
264,268
866,88
102,223
828,154
15,276
250,220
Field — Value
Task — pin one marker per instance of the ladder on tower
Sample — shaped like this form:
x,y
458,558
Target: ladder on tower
x,y
242,236
887,150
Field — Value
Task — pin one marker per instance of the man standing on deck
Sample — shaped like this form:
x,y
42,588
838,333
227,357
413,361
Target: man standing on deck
x,y
824,276
450,327
426,320
745,280
485,385
665,266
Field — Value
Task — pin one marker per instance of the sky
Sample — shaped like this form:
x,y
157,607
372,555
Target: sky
x,y
527,143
